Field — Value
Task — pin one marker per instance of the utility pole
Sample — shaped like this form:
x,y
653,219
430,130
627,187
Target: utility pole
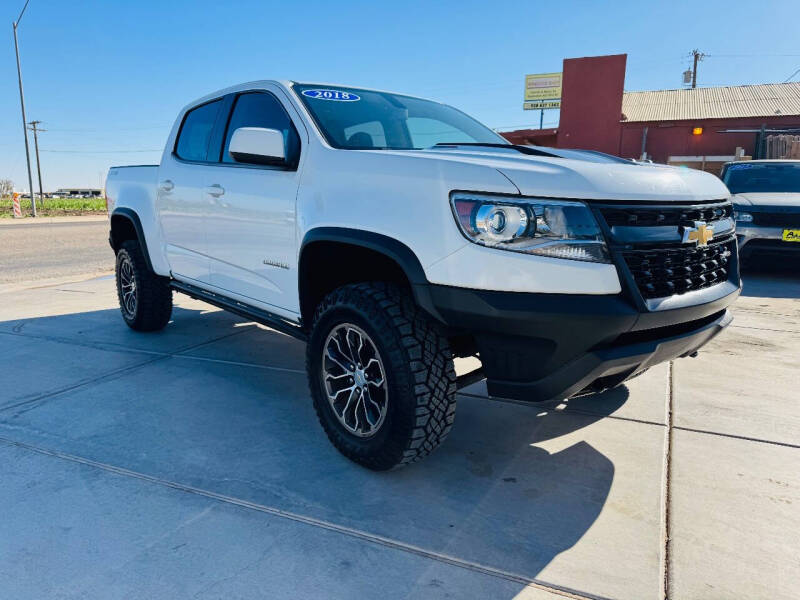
x,y
698,56
22,103
36,131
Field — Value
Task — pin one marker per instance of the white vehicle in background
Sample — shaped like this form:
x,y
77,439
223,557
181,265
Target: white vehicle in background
x,y
393,234
766,201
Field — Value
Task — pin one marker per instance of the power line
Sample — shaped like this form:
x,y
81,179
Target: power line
x,y
22,12
103,151
81,130
753,55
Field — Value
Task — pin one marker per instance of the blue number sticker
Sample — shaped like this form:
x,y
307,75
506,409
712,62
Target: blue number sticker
x,y
335,95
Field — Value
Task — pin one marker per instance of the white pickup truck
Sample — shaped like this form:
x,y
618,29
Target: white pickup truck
x,y
393,234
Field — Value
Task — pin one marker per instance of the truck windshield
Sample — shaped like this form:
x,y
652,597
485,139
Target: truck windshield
x,y
745,177
357,119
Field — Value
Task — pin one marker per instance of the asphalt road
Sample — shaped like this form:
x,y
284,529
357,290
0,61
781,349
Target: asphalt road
x,y
47,250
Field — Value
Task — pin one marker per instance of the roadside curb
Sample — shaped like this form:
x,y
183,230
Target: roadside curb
x,y
53,220
6,288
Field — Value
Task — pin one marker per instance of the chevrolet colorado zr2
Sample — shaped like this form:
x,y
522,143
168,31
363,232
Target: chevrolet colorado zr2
x,y
393,233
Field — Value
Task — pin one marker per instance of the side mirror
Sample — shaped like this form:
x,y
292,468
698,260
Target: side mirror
x,y
257,145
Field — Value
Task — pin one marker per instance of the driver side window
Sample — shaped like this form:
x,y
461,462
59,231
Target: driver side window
x,y
261,109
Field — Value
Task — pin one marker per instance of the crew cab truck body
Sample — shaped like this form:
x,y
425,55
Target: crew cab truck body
x,y
393,234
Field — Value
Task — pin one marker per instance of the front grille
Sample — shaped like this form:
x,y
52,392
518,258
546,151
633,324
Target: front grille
x,y
776,219
660,264
644,216
661,272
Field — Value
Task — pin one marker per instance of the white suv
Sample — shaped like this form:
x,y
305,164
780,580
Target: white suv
x,y
394,233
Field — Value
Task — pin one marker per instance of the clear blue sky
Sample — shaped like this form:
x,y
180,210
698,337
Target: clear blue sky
x,y
107,76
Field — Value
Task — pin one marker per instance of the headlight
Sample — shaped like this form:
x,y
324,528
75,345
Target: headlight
x,y
742,217
556,228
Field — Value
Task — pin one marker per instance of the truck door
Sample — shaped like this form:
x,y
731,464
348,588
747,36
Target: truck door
x,y
181,203
251,224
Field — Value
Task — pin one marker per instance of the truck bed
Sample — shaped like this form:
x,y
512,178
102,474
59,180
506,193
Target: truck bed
x,y
139,179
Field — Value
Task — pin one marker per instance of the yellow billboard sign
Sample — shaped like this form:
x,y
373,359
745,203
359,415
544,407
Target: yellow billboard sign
x,y
542,91
537,104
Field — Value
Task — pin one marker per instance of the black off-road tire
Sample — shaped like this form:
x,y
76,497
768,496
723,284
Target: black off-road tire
x,y
417,364
153,301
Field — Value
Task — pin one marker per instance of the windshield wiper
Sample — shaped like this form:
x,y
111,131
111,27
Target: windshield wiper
x,y
522,149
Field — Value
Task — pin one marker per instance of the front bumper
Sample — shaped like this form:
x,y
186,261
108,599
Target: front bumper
x,y
539,347
754,239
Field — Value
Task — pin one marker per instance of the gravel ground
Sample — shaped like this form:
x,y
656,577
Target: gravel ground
x,y
47,250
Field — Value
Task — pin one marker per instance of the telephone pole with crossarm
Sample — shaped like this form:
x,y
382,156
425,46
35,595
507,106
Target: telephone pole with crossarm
x,y
34,127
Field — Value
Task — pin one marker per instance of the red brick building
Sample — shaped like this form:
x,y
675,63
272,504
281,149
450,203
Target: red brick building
x,y
699,127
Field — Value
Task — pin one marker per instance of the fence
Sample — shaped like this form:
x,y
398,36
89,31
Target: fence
x,y
782,146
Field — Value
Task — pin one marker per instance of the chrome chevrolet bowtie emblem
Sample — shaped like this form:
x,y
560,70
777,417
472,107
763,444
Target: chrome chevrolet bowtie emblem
x,y
700,233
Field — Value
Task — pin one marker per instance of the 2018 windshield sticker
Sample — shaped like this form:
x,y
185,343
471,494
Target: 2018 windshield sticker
x,y
335,95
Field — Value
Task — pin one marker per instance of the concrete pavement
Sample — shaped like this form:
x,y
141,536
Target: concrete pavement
x,y
189,463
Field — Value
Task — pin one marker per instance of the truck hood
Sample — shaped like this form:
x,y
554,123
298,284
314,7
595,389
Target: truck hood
x,y
583,179
787,199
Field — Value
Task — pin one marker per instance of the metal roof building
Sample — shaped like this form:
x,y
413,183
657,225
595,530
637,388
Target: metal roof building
x,y
731,102
701,127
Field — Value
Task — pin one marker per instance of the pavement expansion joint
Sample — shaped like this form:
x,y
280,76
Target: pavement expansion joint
x,y
181,353
107,346
666,473
108,374
237,363
314,522
83,383
737,437
762,328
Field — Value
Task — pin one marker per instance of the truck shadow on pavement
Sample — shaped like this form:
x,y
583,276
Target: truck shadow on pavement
x,y
220,405
771,279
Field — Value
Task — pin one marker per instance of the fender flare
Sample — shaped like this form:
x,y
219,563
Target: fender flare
x,y
130,215
383,244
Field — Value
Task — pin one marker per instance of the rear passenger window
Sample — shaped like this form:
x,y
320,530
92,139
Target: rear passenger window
x,y
259,109
196,131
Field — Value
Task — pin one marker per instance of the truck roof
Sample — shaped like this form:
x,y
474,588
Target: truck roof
x,y
288,83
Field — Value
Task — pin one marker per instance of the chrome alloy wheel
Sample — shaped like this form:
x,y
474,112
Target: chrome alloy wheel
x,y
127,286
354,380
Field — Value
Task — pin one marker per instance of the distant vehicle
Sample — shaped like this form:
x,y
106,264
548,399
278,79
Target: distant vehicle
x,y
766,200
393,234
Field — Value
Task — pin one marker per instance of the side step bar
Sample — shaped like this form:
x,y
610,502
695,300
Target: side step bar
x,y
466,379
279,323
269,319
